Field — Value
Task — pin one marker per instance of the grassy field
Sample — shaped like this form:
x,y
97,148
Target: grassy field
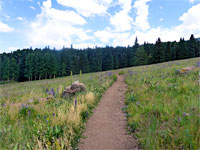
x,y
33,115
162,105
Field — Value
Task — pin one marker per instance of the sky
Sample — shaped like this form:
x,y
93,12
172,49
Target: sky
x,y
90,23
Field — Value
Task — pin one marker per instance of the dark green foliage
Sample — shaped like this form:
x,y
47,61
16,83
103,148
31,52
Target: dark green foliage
x,y
28,64
141,57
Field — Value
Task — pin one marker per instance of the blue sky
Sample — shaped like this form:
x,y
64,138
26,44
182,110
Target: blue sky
x,y
86,23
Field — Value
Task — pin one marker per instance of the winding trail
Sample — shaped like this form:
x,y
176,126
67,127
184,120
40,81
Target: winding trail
x,y
106,128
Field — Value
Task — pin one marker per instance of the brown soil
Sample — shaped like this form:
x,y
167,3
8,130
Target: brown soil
x,y
106,128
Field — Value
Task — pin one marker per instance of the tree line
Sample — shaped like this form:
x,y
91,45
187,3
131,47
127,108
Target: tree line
x,y
37,64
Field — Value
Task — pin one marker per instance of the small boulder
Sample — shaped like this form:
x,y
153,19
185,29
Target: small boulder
x,y
185,70
73,89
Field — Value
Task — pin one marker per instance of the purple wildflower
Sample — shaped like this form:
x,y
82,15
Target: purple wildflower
x,y
138,103
4,114
31,100
186,114
87,114
75,102
29,112
47,90
53,114
22,106
45,117
26,106
52,92
198,64
4,105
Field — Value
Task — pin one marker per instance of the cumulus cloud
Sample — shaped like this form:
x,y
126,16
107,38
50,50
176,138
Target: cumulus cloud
x,y
33,8
87,7
20,18
142,11
161,19
5,27
57,27
192,1
190,23
121,20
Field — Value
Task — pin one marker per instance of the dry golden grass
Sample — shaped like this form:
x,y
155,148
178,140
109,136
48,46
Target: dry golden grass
x,y
90,98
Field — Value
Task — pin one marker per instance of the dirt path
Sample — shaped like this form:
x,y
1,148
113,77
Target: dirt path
x,y
106,129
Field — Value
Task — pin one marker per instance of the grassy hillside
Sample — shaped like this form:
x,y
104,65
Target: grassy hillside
x,y
163,105
33,115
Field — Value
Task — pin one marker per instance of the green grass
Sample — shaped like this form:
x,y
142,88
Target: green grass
x,y
31,119
163,105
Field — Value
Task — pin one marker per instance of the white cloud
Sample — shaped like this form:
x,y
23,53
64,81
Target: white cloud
x,y
20,18
161,19
105,35
5,28
56,28
192,1
33,8
121,20
87,7
190,25
142,12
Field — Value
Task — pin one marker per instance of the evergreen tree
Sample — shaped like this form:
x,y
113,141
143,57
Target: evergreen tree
x,y
158,52
84,63
14,69
141,57
107,63
116,62
191,47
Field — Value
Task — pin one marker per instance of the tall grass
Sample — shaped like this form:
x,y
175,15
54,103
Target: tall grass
x,y
33,115
163,105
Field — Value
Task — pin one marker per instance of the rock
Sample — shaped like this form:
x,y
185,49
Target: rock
x,y
73,89
185,70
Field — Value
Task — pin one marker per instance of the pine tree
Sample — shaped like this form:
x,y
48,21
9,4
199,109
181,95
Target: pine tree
x,y
6,68
83,62
116,61
158,52
191,47
141,57
14,69
107,63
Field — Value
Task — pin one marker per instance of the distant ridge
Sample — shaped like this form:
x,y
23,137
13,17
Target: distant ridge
x,y
198,39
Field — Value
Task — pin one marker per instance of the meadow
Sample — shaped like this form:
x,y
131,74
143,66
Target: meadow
x,y
33,115
162,105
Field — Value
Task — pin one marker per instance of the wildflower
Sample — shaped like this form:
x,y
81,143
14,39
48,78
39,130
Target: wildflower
x,y
4,105
87,114
29,112
4,114
45,117
26,106
52,92
53,114
47,90
31,100
186,114
75,102
198,64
